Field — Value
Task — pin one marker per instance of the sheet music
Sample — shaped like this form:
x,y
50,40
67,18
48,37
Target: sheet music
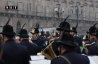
x,y
37,57
40,62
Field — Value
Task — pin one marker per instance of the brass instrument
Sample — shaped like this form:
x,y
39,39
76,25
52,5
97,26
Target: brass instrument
x,y
48,51
87,45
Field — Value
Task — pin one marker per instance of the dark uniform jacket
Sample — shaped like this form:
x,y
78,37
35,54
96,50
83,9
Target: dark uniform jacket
x,y
55,48
39,42
73,57
91,41
93,50
33,49
14,53
78,40
2,61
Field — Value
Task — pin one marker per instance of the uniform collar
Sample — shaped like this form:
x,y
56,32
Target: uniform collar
x,y
36,38
24,40
9,40
68,52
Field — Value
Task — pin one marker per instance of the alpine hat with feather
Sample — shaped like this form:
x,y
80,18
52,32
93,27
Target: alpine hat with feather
x,y
35,30
8,29
92,29
23,32
74,29
67,40
63,24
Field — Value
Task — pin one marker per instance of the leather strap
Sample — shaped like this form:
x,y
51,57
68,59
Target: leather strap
x,y
66,59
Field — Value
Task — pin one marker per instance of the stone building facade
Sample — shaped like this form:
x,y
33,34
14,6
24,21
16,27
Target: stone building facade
x,y
49,13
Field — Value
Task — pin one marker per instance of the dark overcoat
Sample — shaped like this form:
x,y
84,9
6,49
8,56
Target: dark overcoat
x,y
14,53
33,49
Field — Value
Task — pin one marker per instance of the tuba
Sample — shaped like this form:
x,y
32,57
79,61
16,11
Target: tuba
x,y
48,51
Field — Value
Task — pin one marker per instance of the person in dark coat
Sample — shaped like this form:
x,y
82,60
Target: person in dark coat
x,y
90,33
63,27
44,37
13,53
39,41
91,36
67,54
33,49
92,50
1,42
77,39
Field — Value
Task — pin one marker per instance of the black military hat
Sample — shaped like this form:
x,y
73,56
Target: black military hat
x,y
73,29
67,40
42,32
92,29
8,29
35,31
23,33
63,25
96,33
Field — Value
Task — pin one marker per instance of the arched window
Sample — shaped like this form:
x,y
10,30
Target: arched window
x,y
18,27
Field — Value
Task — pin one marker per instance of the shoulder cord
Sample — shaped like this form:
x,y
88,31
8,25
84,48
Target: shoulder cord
x,y
66,59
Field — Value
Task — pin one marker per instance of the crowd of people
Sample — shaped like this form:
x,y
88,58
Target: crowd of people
x,y
69,48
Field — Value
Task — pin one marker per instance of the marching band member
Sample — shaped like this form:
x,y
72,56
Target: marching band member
x,y
90,33
24,40
91,41
64,26
92,50
67,54
77,39
13,53
37,39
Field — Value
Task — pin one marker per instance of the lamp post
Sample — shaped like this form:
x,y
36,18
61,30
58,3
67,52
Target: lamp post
x,y
77,12
58,9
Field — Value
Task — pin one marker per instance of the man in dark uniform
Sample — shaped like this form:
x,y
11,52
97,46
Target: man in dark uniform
x,y
92,50
77,39
91,41
44,37
63,25
55,35
33,49
13,53
37,39
68,56
90,33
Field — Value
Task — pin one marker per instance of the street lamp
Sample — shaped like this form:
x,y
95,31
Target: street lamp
x,y
57,10
58,7
77,11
